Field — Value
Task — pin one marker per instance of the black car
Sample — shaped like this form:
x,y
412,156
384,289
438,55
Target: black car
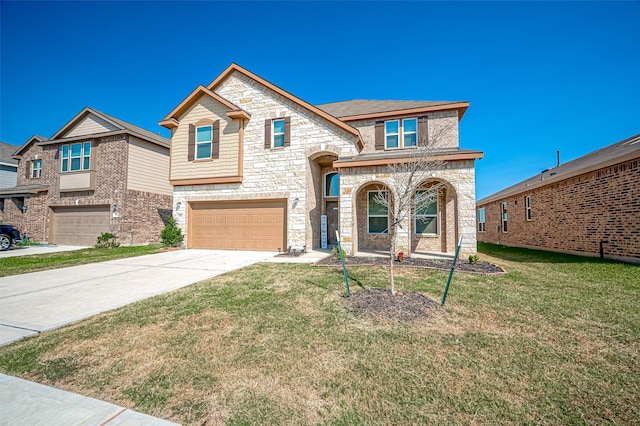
x,y
9,235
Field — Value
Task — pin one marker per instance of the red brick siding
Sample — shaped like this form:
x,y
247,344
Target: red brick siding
x,y
575,214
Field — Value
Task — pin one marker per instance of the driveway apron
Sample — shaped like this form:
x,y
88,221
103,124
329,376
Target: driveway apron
x,y
39,301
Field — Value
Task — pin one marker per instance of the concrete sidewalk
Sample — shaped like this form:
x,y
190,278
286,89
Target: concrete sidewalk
x,y
27,403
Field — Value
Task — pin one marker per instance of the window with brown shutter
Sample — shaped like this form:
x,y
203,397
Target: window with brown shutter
x,y
267,133
287,131
423,131
191,154
215,141
379,145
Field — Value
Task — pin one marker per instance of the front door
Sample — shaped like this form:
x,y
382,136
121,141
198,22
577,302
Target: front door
x,y
332,222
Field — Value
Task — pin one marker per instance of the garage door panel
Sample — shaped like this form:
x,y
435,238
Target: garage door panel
x,y
79,225
254,225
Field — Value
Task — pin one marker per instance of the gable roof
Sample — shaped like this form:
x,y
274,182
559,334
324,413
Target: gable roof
x,y
32,139
6,154
314,109
361,109
627,149
171,121
121,125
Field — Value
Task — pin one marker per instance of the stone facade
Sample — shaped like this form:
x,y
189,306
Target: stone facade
x,y
575,215
276,172
138,217
296,172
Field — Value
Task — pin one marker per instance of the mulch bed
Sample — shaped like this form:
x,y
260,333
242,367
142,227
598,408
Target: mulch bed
x,y
405,306
482,268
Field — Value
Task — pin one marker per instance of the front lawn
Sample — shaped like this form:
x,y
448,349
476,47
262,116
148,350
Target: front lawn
x,y
556,340
41,262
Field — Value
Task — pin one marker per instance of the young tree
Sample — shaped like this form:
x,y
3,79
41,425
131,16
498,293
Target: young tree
x,y
406,193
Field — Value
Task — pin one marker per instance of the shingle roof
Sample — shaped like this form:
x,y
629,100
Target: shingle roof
x,y
136,129
621,151
367,106
6,153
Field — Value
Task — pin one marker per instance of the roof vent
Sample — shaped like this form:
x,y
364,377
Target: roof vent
x,y
544,171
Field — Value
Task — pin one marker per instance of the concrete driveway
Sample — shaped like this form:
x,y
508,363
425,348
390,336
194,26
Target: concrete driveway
x,y
39,301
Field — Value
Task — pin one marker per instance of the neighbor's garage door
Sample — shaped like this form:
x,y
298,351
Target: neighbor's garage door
x,y
79,226
255,225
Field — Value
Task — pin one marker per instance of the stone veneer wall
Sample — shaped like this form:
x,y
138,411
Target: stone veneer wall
x,y
277,172
141,215
575,214
459,174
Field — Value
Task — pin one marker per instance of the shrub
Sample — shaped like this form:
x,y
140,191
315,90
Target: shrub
x,y
336,252
171,235
473,259
106,240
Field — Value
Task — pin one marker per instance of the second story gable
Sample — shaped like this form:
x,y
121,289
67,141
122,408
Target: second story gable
x,y
95,149
241,126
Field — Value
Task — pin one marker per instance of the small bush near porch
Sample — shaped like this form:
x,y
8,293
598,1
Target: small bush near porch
x,y
556,340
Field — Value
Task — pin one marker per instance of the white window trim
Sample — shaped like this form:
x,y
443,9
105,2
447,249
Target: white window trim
x,y
209,142
417,217
69,157
504,216
527,207
36,172
482,223
401,134
273,133
376,215
325,185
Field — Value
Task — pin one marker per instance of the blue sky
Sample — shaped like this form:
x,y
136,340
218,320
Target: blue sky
x,y
540,76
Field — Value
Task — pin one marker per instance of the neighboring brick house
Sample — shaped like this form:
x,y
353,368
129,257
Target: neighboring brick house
x,y
255,167
96,174
8,166
583,206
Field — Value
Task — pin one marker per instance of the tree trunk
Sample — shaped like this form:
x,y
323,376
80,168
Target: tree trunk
x,y
392,259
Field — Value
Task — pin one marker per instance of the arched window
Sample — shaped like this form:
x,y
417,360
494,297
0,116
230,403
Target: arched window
x,y
331,183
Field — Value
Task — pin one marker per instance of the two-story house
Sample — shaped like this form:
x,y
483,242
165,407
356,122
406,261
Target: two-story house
x,y
255,167
96,174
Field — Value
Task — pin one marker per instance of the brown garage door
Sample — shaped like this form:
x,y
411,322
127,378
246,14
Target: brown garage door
x,y
255,225
79,225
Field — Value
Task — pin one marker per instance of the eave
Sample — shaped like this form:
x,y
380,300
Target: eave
x,y
461,107
363,161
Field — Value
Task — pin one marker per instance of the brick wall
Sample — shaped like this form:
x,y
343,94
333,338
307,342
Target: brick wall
x,y
575,214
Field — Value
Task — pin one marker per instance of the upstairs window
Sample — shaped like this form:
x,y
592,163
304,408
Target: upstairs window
x,y
392,134
277,132
527,207
481,220
331,183
36,168
503,211
401,133
377,215
410,132
426,217
75,157
204,141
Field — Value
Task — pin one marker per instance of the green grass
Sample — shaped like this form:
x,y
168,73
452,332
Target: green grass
x,y
42,262
556,340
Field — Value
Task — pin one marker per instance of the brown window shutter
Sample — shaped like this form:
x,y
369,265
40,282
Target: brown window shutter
x,y
379,135
27,167
267,133
423,131
287,131
192,143
215,146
